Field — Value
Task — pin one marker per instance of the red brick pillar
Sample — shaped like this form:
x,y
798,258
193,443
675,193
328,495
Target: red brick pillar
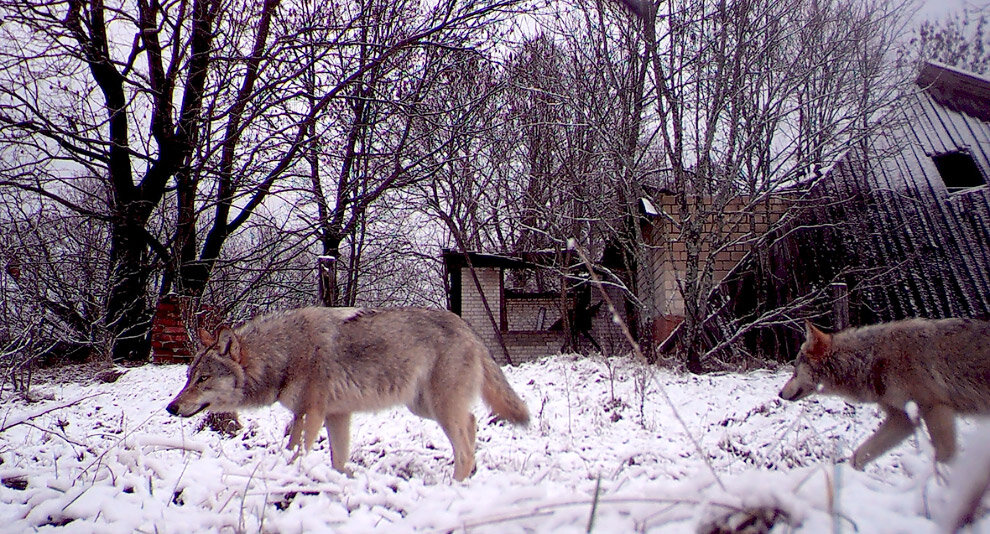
x,y
173,328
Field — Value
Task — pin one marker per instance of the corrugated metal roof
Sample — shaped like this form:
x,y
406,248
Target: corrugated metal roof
x,y
956,89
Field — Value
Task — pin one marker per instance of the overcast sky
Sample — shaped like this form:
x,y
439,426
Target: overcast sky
x,y
935,8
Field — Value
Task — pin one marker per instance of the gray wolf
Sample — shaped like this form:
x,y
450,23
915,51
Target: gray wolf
x,y
943,366
325,363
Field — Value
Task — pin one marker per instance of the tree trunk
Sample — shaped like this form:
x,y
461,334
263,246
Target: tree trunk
x,y
127,318
329,286
327,272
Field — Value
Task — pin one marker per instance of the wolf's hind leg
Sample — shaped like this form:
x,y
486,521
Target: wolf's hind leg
x,y
892,431
339,429
294,431
473,427
459,425
940,421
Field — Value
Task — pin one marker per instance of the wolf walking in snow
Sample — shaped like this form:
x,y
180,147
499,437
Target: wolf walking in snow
x,y
325,363
943,366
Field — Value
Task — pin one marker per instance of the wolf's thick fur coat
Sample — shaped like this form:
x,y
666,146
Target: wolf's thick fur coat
x,y
943,366
325,363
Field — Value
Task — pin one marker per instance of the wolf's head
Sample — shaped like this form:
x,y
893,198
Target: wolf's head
x,y
215,379
817,348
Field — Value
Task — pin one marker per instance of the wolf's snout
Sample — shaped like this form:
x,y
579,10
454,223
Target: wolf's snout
x,y
182,408
790,391
794,390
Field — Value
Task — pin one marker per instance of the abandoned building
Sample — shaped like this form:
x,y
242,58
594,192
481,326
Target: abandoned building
x,y
173,337
731,230
525,295
902,222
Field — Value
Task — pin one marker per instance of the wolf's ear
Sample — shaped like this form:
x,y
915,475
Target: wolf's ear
x,y
816,342
206,338
228,344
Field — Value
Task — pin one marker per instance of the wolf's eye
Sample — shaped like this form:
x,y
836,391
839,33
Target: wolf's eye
x,y
202,378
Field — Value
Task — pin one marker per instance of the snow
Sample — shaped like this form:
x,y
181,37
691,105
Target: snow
x,y
115,461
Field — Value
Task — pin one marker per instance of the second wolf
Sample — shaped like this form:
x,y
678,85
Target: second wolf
x,y
943,366
325,363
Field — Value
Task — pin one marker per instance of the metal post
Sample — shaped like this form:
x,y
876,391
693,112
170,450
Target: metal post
x,y
840,305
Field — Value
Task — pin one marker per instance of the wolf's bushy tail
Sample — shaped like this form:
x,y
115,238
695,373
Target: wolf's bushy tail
x,y
499,395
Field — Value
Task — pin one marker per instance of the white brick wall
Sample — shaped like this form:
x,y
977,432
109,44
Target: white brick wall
x,y
472,308
522,346
532,314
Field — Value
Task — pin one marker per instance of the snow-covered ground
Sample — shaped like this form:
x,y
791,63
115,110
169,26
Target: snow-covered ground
x,y
605,452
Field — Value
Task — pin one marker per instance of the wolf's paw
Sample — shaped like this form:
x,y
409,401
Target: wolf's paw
x,y
297,453
859,461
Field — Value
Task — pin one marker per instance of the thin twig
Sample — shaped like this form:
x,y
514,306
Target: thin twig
x,y
21,421
639,354
247,485
594,504
548,509
60,435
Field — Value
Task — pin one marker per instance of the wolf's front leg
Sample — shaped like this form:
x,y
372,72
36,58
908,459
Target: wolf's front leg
x,y
941,423
892,431
302,432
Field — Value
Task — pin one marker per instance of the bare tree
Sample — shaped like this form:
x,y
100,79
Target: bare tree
x,y
376,117
52,282
575,129
961,40
750,97
543,147
465,118
190,117
118,94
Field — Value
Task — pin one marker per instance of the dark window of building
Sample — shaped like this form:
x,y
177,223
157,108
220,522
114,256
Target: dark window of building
x,y
531,300
958,170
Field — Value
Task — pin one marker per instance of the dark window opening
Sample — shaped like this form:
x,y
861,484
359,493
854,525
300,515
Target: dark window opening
x,y
523,281
531,299
958,171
